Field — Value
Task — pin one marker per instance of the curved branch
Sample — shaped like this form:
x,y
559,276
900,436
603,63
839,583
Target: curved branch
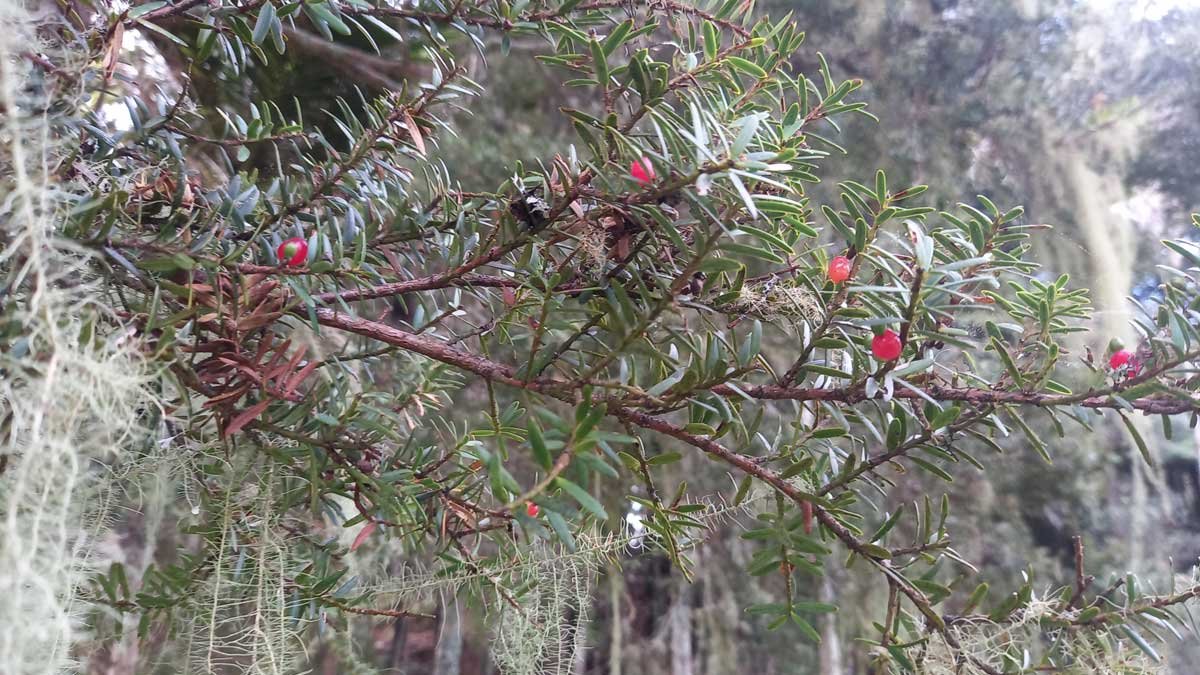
x,y
1166,405
499,372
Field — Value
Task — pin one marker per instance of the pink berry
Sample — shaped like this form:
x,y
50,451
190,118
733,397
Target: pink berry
x,y
293,252
1120,358
886,346
532,510
642,171
839,269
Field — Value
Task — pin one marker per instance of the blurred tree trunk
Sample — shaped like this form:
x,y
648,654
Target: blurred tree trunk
x,y
717,635
617,620
1111,247
680,627
831,646
448,658
396,650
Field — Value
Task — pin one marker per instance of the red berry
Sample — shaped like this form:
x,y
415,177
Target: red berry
x,y
293,252
1119,358
839,269
886,346
642,171
532,509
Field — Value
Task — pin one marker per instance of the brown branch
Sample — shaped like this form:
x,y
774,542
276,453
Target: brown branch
x,y
505,374
231,142
429,283
979,397
377,72
473,16
370,611
1081,581
164,12
1103,398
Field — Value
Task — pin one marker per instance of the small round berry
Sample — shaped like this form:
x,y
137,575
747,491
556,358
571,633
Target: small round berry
x,y
1119,359
886,346
839,269
532,510
293,252
642,171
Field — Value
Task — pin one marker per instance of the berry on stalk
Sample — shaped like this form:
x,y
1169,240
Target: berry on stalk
x,y
293,252
886,346
532,510
1119,359
839,269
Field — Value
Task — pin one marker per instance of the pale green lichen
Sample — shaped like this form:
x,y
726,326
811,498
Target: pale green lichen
x,y
74,391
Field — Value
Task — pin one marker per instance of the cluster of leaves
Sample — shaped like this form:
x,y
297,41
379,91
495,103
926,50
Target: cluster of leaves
x,y
601,324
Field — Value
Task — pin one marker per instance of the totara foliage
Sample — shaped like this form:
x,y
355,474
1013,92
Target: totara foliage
x,y
440,360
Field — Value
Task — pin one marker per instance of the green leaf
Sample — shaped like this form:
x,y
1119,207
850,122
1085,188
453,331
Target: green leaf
x,y
716,265
580,495
945,417
712,41
266,19
599,63
1186,249
936,592
538,444
1031,436
897,653
562,529
931,468
743,490
918,366
806,628
144,8
817,607
976,597
750,346
744,194
1141,642
829,432
826,371
1137,439
767,608
895,432
887,525
748,67
177,261
617,37
752,251
1009,364
324,19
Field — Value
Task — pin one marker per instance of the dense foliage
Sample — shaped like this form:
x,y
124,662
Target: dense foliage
x,y
370,389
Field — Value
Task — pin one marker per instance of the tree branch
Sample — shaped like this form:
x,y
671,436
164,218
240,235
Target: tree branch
x,y
505,374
